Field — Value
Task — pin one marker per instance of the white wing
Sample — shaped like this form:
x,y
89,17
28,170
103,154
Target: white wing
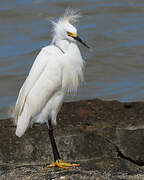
x,y
43,80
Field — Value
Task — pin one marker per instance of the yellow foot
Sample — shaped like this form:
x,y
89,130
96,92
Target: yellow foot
x,y
62,165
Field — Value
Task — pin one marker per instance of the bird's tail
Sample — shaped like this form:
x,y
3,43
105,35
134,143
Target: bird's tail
x,y
11,112
23,121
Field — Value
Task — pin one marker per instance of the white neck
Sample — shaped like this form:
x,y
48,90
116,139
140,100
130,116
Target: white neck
x,y
63,44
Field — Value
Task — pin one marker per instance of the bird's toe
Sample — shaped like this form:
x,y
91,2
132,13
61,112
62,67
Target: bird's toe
x,y
61,164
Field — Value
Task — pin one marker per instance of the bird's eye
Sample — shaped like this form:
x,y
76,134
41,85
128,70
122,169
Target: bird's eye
x,y
71,34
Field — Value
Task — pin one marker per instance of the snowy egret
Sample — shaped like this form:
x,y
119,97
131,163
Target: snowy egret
x,y
58,68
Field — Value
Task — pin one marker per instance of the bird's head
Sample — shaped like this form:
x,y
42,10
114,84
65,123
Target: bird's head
x,y
64,28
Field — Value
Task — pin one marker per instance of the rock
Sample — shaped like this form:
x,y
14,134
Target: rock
x,y
105,137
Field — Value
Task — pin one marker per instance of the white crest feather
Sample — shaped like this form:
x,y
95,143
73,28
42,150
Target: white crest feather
x,y
70,15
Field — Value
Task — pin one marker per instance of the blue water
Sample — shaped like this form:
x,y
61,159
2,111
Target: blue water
x,y
113,29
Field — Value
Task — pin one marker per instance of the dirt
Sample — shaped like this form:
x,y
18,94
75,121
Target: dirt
x,y
105,137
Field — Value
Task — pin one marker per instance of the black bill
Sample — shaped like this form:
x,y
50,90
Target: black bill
x,y
81,41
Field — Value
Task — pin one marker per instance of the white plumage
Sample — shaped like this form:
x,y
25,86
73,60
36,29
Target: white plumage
x,y
58,68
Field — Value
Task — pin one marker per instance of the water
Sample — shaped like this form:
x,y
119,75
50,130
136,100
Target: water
x,y
113,29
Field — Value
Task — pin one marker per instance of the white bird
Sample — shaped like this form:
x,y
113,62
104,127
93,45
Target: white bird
x,y
58,68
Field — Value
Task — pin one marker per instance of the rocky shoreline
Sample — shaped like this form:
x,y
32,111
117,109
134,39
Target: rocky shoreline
x,y
105,137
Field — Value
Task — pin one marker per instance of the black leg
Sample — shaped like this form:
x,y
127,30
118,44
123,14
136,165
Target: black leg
x,y
53,143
